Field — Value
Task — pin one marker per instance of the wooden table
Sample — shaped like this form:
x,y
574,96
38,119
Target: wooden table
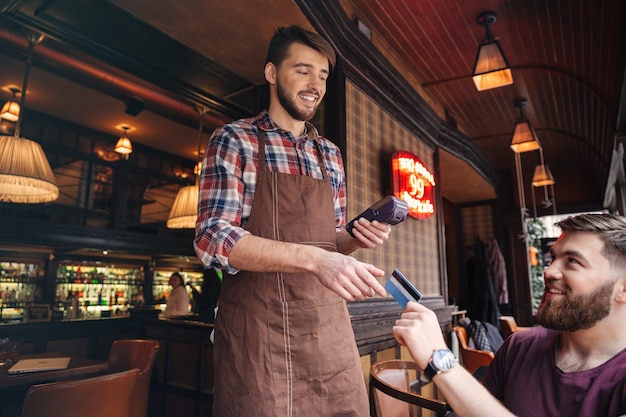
x,y
78,368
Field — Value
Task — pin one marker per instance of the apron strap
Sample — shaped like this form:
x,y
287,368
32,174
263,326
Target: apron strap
x,y
261,150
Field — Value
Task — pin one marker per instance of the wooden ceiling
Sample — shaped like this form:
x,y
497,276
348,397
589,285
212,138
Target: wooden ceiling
x,y
567,59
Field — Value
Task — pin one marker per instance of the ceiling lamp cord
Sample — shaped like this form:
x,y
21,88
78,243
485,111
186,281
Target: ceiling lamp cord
x,y
184,211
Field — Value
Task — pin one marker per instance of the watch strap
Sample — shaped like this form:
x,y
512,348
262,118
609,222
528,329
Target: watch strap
x,y
429,372
432,370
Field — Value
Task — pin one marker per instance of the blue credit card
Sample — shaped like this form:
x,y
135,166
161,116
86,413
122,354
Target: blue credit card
x,y
401,289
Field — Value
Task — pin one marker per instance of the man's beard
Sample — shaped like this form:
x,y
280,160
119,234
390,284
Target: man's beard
x,y
575,312
289,104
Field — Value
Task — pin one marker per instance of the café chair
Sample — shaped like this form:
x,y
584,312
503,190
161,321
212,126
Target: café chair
x,y
471,359
101,396
508,326
135,353
395,385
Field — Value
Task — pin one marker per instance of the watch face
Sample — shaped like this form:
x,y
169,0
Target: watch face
x,y
444,359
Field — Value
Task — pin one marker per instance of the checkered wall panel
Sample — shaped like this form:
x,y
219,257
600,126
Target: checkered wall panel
x,y
372,135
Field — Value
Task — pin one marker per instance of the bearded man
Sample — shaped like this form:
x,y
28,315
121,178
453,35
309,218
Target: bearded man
x,y
574,363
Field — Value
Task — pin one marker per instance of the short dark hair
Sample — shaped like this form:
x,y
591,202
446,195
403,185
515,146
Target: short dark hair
x,y
610,228
179,276
285,36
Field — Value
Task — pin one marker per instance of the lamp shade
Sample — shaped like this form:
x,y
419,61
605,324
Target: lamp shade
x,y
524,138
542,176
25,174
198,168
10,111
185,209
124,146
491,69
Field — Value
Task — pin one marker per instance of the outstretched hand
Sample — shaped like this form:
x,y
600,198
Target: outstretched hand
x,y
418,329
350,278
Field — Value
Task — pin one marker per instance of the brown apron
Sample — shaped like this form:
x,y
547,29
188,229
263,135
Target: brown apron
x,y
284,344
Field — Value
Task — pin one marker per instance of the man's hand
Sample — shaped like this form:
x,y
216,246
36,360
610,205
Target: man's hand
x,y
348,277
343,274
370,234
418,329
366,235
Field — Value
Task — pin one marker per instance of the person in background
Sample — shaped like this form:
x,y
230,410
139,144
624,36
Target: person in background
x,y
272,215
177,302
204,302
574,363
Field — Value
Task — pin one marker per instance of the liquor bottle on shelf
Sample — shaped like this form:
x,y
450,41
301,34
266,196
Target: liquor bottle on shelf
x,y
21,283
102,287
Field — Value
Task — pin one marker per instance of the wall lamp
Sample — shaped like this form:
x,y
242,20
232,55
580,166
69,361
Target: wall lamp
x,y
491,68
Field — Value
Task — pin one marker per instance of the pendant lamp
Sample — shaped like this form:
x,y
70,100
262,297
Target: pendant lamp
x,y
543,178
542,175
185,208
524,138
124,145
491,68
184,211
25,173
11,109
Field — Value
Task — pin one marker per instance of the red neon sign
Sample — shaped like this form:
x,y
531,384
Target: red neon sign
x,y
413,183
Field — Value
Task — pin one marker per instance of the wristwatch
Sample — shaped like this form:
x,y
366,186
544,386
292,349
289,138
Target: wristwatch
x,y
442,360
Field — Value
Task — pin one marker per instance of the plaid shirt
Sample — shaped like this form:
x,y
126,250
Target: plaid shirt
x,y
228,180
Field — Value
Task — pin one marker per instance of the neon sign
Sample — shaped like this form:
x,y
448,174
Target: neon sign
x,y
413,183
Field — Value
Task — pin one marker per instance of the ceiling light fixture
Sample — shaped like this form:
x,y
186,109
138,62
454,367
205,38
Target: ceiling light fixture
x,y
184,211
124,145
11,109
521,195
25,173
543,178
491,69
524,138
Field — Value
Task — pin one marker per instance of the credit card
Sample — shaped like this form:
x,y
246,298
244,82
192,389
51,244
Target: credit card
x,y
401,289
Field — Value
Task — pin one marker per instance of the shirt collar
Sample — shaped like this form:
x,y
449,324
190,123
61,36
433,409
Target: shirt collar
x,y
265,122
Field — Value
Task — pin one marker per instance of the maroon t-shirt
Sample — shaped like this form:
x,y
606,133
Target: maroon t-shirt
x,y
524,376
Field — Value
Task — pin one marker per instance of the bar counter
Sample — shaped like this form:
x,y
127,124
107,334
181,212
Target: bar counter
x,y
87,338
182,380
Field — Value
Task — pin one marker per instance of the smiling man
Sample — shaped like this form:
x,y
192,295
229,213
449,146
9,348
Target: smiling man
x,y
574,364
271,214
